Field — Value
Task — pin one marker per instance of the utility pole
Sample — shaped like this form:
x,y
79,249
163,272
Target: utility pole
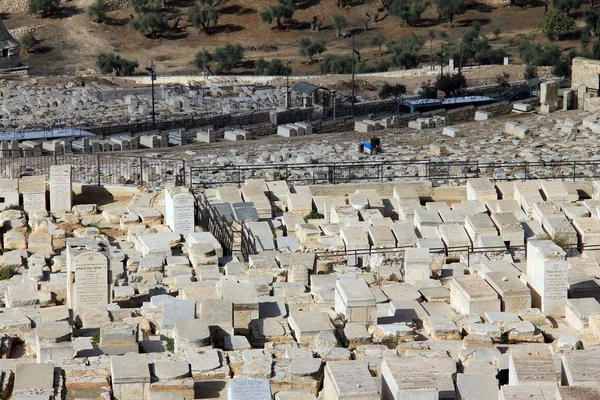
x,y
288,94
152,71
347,35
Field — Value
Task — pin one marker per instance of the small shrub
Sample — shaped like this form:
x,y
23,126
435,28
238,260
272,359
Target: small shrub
x,y
29,41
391,340
6,273
314,215
96,336
170,344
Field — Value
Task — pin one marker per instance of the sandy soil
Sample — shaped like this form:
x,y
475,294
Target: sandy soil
x,y
72,40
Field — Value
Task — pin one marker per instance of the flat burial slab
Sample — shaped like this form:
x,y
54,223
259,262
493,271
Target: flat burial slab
x,y
349,380
580,367
531,366
471,294
407,378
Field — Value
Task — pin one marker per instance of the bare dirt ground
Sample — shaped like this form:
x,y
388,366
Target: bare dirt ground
x,y
71,40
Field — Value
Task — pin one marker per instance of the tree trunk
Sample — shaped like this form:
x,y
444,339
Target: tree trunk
x,y
450,19
339,32
380,50
279,24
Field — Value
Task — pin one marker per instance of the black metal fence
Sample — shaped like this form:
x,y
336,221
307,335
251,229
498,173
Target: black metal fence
x,y
99,169
387,171
214,222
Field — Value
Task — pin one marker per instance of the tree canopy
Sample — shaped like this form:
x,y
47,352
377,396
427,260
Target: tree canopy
x,y
283,9
448,9
109,62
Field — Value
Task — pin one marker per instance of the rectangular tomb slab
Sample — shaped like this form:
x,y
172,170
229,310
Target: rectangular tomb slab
x,y
477,386
471,294
580,367
531,366
481,189
407,378
349,380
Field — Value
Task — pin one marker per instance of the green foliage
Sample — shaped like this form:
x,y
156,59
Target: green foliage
x,y
44,7
109,62
392,91
314,215
170,346
202,15
536,54
273,68
376,66
283,9
408,11
17,207
405,52
377,40
96,11
96,336
6,272
202,57
339,22
591,18
503,82
475,46
145,6
566,5
496,33
530,72
228,57
555,24
151,24
448,9
451,84
336,64
562,69
28,41
391,340
308,48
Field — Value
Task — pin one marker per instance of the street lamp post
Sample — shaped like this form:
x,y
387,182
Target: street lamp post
x,y
347,35
287,85
442,54
152,71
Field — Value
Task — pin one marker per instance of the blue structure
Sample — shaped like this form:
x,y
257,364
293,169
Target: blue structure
x,y
424,105
52,134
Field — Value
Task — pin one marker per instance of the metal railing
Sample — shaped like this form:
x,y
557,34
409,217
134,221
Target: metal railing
x,y
99,169
214,222
388,171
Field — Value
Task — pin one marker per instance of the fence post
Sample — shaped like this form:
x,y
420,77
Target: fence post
x,y
141,172
574,170
98,167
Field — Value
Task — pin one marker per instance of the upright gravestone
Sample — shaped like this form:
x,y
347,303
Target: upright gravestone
x,y
547,272
33,189
9,192
179,209
91,281
61,190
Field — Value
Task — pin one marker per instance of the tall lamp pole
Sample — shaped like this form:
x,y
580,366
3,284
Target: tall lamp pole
x,y
287,85
442,54
152,71
347,35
